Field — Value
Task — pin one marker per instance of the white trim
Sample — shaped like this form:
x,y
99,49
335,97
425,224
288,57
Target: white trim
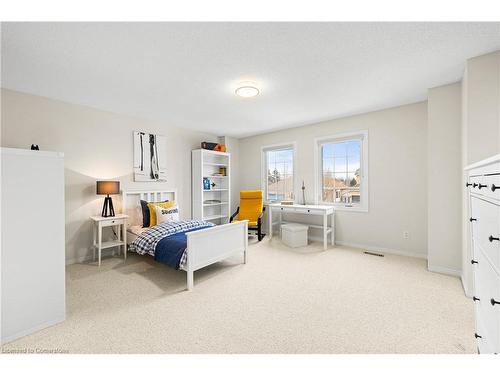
x,y
339,207
79,259
364,166
26,152
263,174
218,153
89,257
482,163
377,248
445,271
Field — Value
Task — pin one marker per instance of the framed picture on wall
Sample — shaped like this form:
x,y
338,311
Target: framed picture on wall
x,y
150,157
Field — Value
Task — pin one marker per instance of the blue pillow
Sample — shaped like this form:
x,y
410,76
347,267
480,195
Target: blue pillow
x,y
145,213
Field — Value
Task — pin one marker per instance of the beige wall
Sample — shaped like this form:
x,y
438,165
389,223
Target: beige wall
x,y
444,184
97,145
397,173
466,270
483,107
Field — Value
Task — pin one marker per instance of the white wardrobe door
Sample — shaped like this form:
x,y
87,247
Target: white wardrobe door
x,y
33,255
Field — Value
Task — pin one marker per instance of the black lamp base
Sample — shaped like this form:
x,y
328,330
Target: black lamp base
x,y
107,209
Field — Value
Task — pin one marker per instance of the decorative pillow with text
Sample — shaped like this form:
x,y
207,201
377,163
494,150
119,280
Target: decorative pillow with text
x,y
146,215
167,214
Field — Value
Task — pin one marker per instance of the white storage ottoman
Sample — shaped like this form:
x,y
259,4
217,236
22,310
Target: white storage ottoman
x,y
294,235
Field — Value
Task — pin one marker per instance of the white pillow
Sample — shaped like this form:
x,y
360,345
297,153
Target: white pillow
x,y
167,214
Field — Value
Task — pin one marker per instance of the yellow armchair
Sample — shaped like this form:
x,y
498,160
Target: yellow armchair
x,y
251,208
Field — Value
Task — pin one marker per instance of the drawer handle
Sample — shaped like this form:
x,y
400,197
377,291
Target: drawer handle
x,y
493,302
474,185
308,210
480,186
467,184
472,219
474,298
281,208
477,336
491,238
473,261
493,187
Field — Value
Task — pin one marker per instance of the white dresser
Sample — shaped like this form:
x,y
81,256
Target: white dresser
x,y
484,193
32,252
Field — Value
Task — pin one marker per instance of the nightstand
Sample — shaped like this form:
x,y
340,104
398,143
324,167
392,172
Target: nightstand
x,y
119,222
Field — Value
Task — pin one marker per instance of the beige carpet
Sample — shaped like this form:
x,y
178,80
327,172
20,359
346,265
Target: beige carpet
x,y
281,301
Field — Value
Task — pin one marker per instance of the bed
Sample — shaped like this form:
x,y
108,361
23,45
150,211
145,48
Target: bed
x,y
204,245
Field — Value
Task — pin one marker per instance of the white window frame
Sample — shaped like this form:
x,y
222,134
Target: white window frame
x,y
263,168
318,170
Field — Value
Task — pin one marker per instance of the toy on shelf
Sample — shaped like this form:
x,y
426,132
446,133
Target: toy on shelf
x,y
206,184
213,146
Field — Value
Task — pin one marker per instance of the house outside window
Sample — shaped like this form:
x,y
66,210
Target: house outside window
x,y
278,172
342,171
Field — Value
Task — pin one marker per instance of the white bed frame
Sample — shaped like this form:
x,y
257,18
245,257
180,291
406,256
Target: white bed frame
x,y
204,246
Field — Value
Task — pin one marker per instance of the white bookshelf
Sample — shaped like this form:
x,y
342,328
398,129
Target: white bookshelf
x,y
213,204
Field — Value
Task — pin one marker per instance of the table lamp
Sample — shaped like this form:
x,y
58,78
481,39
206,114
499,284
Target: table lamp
x,y
107,188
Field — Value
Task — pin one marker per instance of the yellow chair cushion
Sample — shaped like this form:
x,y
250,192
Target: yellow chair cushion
x,y
250,223
251,194
152,210
251,206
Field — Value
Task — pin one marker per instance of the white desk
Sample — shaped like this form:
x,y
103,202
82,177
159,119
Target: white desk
x,y
316,210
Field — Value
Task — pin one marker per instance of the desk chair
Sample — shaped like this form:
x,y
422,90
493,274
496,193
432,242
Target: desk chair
x,y
251,208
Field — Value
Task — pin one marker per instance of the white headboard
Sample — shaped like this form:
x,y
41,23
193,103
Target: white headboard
x,y
131,204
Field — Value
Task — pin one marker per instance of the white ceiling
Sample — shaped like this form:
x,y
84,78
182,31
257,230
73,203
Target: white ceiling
x,y
184,74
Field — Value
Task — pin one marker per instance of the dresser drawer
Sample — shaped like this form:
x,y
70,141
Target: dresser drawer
x,y
483,343
475,183
111,222
492,183
485,181
284,209
486,288
309,211
479,185
486,228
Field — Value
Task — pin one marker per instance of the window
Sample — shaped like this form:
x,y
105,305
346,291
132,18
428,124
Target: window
x,y
343,171
278,172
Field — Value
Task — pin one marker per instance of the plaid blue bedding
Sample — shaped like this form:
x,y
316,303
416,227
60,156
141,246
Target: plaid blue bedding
x,y
146,242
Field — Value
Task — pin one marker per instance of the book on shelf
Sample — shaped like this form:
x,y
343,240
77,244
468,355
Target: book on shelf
x,y
286,203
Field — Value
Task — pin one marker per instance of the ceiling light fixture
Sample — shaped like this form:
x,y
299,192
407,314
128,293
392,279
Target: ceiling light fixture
x,y
247,90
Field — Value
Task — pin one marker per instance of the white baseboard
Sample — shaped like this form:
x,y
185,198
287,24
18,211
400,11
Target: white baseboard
x,y
445,271
375,248
87,258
